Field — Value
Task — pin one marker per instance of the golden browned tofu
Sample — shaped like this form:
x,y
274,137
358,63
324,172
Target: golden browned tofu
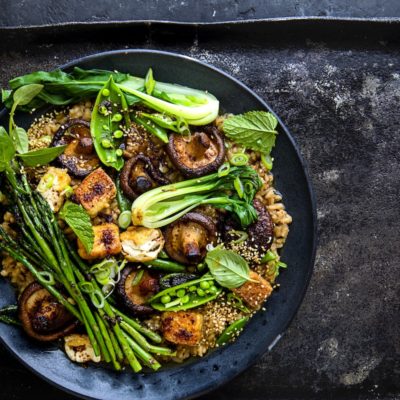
x,y
182,327
96,192
254,293
106,242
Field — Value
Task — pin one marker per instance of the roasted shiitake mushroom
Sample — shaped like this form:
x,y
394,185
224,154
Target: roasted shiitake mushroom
x,y
79,157
186,239
140,175
135,287
42,316
198,154
260,233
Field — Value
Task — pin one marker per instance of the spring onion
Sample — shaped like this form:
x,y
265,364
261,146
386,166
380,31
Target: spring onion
x,y
267,161
124,219
238,159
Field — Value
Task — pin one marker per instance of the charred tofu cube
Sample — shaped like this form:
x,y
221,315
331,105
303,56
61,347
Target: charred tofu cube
x,y
96,192
254,293
106,242
182,327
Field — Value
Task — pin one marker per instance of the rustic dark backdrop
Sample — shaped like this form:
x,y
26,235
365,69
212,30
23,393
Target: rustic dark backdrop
x,y
340,97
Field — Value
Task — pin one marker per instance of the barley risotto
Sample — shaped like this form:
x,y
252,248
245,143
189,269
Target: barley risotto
x,y
139,225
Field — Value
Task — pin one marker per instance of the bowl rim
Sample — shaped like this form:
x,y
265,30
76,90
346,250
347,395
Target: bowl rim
x,y
312,198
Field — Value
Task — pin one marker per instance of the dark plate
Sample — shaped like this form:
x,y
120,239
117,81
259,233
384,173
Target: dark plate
x,y
264,330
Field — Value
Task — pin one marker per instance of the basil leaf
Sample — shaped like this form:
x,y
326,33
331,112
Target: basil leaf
x,y
79,221
228,268
35,158
7,150
25,94
20,139
254,129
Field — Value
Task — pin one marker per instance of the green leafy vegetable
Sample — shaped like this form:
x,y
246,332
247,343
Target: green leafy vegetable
x,y
42,156
7,150
162,205
149,82
233,329
79,221
228,268
196,107
105,125
254,129
22,96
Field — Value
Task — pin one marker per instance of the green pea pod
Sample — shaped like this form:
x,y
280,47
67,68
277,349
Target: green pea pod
x,y
185,296
166,265
229,332
124,204
109,103
151,127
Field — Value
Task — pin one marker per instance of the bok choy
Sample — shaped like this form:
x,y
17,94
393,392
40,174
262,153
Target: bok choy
x,y
165,204
196,107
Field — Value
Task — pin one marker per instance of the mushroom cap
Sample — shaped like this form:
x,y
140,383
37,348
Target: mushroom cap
x,y
199,154
186,239
140,175
79,157
43,317
134,297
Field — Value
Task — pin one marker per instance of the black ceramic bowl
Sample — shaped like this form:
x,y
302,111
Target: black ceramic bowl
x,y
196,376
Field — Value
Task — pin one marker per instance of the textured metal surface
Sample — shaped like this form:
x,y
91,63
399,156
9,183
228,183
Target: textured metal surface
x,y
31,12
340,98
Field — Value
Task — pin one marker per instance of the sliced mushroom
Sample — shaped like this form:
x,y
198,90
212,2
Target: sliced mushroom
x,y
197,155
140,244
42,316
135,288
260,233
140,175
79,157
187,238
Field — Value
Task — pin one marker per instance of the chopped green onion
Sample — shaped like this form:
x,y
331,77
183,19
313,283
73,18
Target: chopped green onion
x,y
239,159
119,152
124,219
223,170
237,183
105,92
242,236
68,191
97,298
267,161
86,287
46,278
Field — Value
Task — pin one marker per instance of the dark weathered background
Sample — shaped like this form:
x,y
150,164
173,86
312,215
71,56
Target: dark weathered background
x,y
33,12
340,97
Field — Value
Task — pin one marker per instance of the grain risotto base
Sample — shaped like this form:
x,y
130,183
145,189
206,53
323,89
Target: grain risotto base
x,y
218,314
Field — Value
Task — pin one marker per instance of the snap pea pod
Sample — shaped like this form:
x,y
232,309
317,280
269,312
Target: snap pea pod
x,y
165,265
151,127
187,295
124,205
228,334
110,113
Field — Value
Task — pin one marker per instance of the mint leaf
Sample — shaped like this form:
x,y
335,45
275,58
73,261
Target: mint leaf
x,y
79,221
42,156
255,130
7,150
